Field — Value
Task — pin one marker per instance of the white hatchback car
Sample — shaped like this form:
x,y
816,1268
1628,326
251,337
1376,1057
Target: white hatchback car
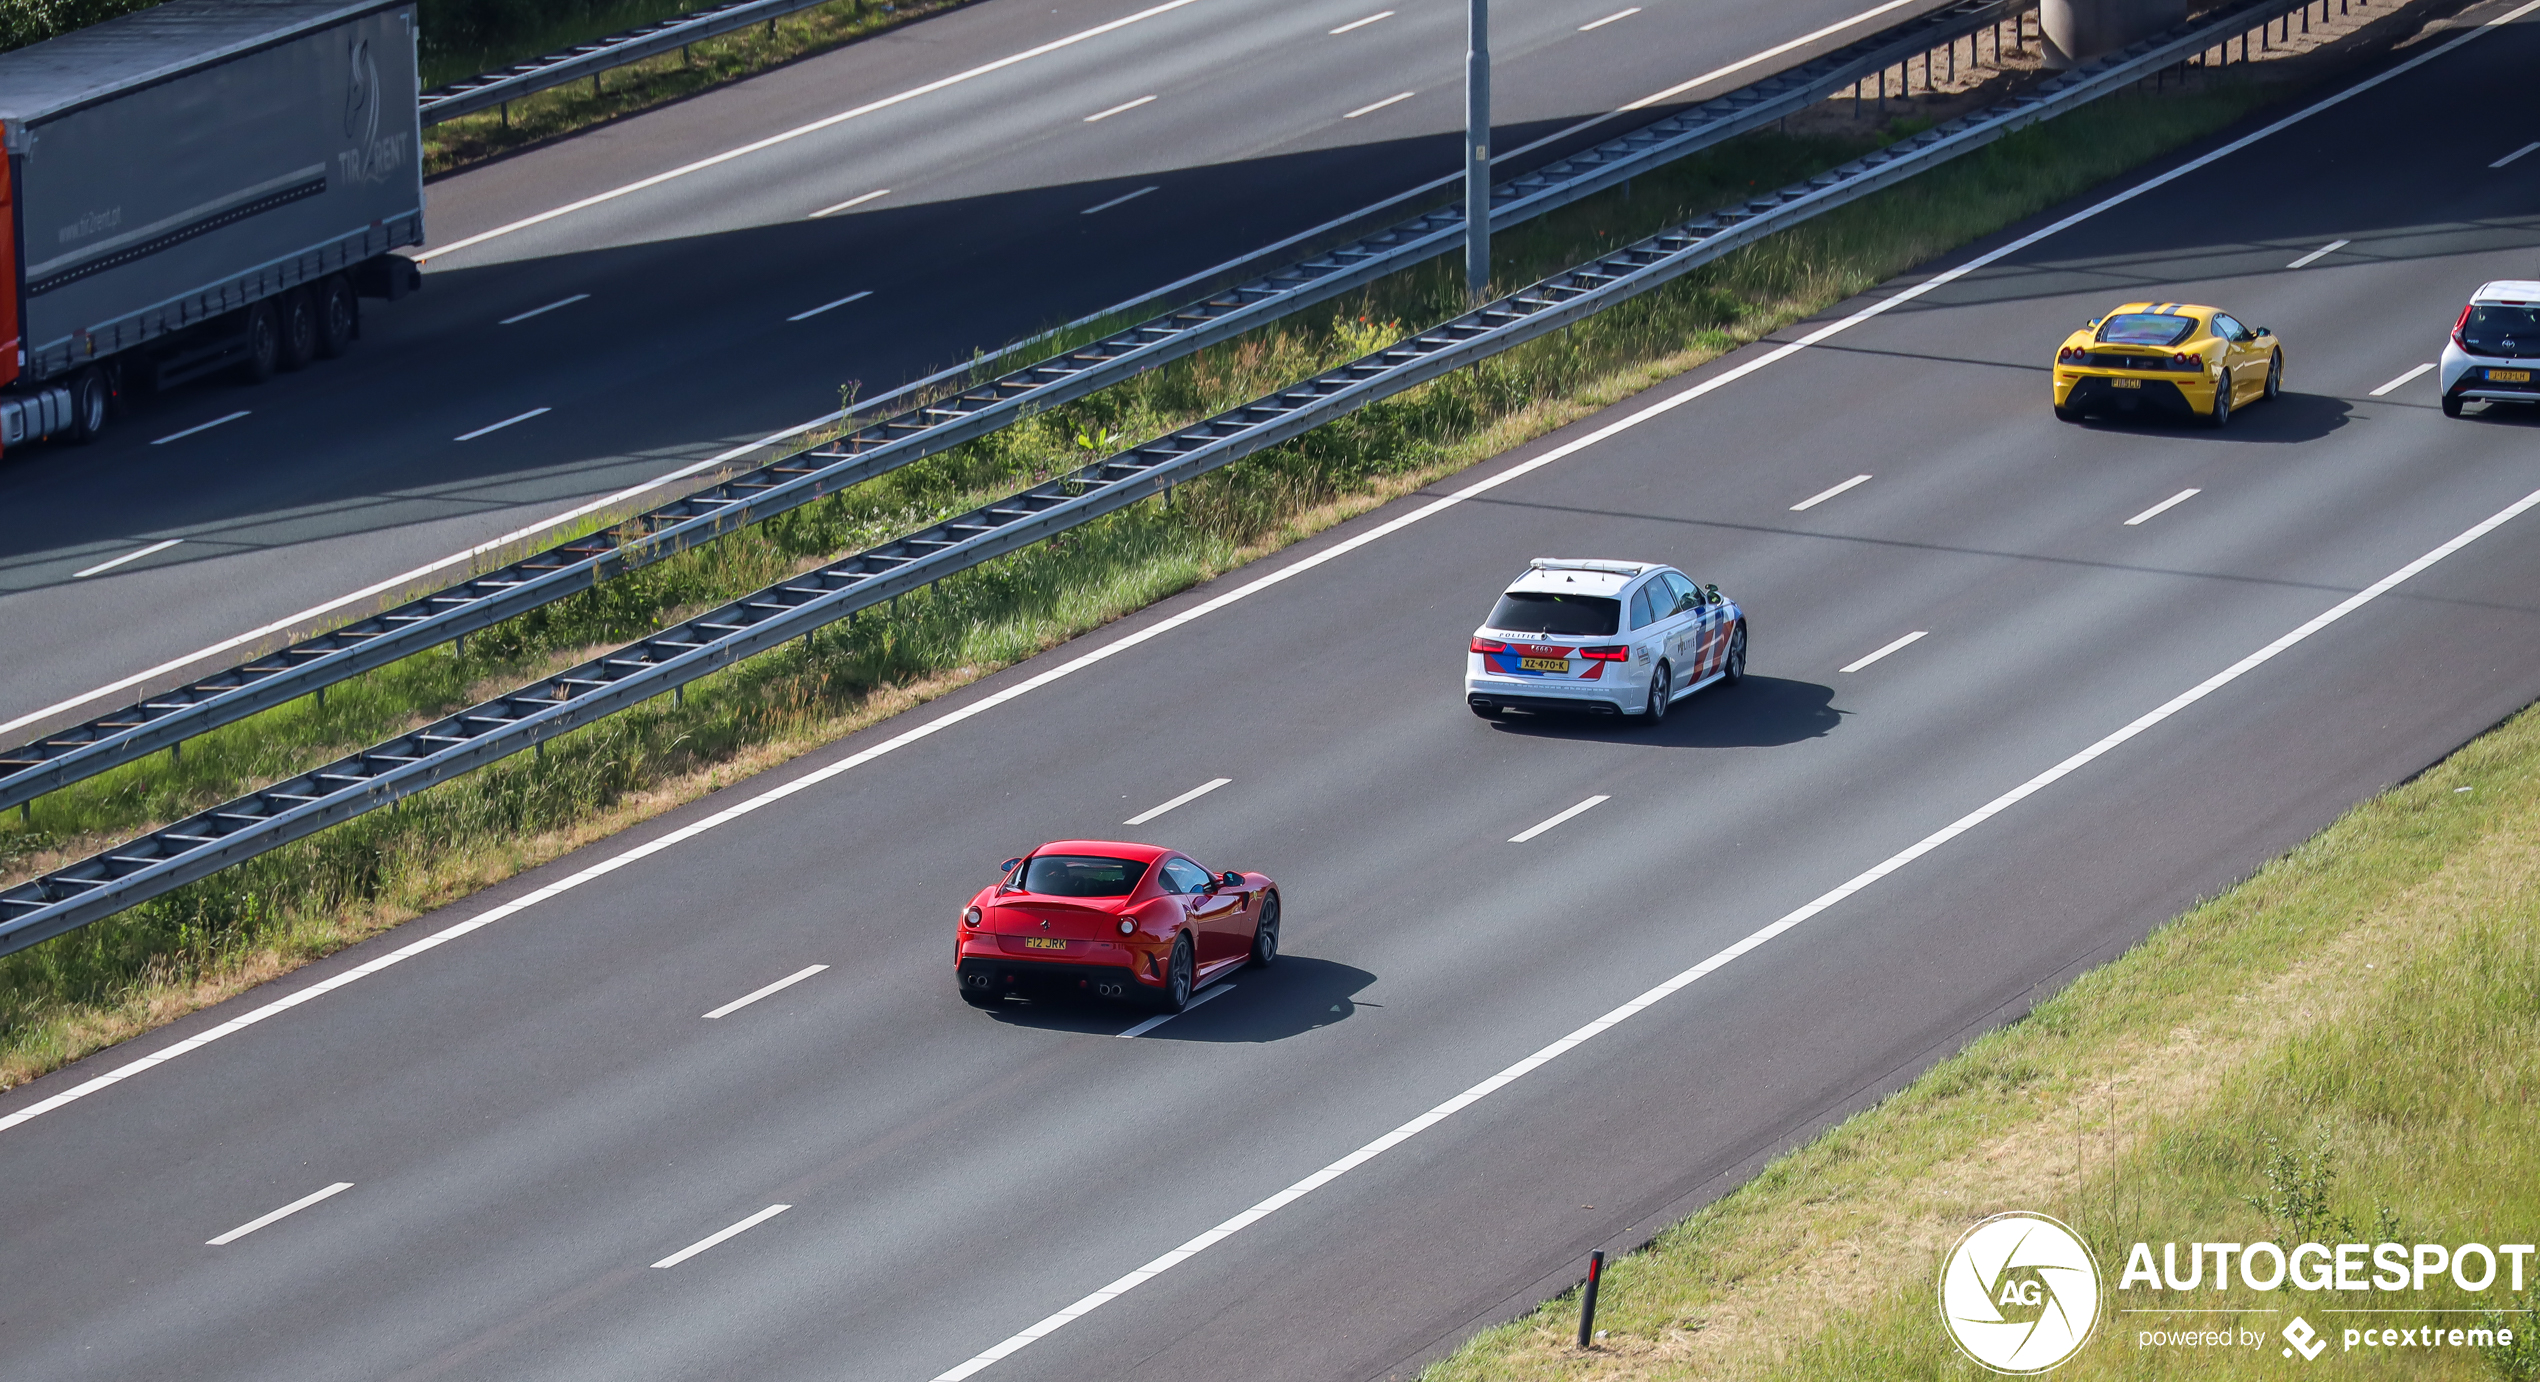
x,y
2494,352
1605,637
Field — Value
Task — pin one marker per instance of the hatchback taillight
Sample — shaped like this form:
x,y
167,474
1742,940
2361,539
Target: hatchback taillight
x,y
2459,325
1489,645
1615,653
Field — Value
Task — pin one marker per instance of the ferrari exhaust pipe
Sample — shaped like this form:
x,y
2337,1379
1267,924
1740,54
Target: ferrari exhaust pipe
x,y
1110,990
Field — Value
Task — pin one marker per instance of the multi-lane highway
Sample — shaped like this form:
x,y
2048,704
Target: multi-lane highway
x,y
546,1128
863,217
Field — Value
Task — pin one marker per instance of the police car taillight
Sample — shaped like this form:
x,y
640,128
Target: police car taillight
x,y
1607,654
1487,645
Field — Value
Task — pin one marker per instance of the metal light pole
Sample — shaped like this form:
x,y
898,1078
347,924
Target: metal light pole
x,y
1477,160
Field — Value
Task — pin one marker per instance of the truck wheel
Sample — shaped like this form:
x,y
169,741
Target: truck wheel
x,y
264,344
338,316
89,397
299,329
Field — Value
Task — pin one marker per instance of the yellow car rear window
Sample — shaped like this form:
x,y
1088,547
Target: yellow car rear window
x,y
2146,328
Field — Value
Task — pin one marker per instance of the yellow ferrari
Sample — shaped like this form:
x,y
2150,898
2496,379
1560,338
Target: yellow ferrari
x,y
2172,358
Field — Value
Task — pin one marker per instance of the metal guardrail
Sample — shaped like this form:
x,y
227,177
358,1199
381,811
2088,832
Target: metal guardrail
x,y
877,447
264,820
487,90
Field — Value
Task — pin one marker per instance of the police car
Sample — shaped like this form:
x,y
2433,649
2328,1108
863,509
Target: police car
x,y
1603,637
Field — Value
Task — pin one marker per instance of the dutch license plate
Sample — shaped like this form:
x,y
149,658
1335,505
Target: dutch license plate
x,y
1042,943
1543,664
2510,376
2125,383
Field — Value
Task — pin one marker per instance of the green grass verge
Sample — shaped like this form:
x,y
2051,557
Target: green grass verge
x,y
2346,1047
197,944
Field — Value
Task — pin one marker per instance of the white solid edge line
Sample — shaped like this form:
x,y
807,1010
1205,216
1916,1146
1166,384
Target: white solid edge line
x,y
1116,201
851,201
1209,994
625,495
1361,23
1268,581
799,131
778,987
1914,637
1380,105
2322,252
506,422
1822,496
1717,960
851,297
737,1229
285,1212
1541,826
199,427
542,311
2163,507
1601,23
154,547
1773,52
2499,163
1184,799
1115,110
2402,379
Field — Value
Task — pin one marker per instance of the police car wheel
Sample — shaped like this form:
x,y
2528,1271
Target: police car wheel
x,y
1733,670
1661,687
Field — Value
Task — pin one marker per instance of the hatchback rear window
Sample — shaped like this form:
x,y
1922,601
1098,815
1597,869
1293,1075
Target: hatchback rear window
x,y
1580,616
2146,328
2508,331
1081,875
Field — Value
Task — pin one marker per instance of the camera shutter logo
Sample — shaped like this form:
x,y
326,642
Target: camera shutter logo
x,y
2019,1293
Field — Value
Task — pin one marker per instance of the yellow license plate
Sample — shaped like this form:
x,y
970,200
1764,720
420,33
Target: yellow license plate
x,y
2125,383
1543,664
2510,376
1042,943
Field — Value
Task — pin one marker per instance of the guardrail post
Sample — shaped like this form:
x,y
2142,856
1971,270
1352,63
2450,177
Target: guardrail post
x,y
1587,1297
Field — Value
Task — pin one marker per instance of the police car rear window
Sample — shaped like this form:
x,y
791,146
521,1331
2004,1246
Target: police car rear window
x,y
1538,611
2146,328
1081,875
2508,331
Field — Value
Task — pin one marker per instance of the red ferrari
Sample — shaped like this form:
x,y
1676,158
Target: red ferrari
x,y
1114,921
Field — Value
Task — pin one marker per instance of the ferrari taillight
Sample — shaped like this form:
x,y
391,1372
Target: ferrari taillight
x,y
2070,356
2186,361
1128,927
1611,653
1489,645
971,917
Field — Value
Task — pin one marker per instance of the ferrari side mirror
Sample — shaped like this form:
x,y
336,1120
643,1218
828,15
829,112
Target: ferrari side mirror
x,y
1008,865
1230,879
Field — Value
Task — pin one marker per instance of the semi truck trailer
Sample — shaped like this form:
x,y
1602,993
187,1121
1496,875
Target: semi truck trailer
x,y
207,186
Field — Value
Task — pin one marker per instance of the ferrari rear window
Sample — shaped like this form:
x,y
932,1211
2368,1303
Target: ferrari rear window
x,y
1539,611
1081,875
2146,328
2508,331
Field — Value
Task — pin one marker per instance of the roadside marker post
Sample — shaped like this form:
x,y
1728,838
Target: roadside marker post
x,y
1587,1298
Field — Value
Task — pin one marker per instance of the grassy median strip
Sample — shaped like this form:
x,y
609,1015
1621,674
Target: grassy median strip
x,y
2346,1047
196,945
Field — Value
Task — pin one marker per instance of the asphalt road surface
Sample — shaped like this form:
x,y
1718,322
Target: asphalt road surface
x,y
692,313
533,1116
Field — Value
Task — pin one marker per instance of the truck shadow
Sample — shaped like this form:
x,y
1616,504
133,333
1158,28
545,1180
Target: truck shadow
x,y
1757,713
1292,997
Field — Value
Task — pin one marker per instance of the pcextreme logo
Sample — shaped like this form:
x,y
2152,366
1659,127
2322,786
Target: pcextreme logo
x,y
2019,1293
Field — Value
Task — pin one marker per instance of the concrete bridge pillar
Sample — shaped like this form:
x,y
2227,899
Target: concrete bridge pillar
x,y
2079,30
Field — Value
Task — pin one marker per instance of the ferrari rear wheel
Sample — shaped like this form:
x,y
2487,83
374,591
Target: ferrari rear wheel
x,y
1265,933
1661,687
1177,978
2220,417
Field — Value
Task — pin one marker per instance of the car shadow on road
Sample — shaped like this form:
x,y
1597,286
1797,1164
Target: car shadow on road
x,y
1296,995
1757,713
2503,414
2287,418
